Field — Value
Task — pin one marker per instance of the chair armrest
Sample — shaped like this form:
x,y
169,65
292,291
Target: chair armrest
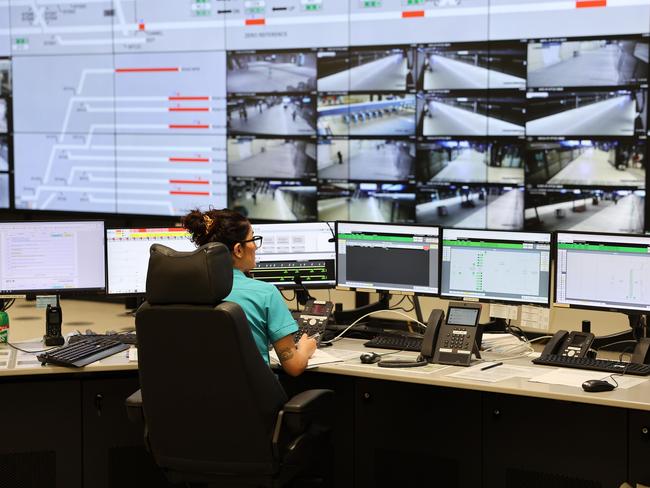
x,y
305,416
134,407
304,410
308,401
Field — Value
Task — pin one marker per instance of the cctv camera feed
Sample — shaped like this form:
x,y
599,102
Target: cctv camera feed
x,y
4,153
4,116
471,206
452,205
613,61
271,158
367,69
366,115
293,115
381,69
5,77
470,161
367,202
587,163
593,210
385,160
472,113
4,190
270,72
587,112
333,159
289,200
472,66
333,70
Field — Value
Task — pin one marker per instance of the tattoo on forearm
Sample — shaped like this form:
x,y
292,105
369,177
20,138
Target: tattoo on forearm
x,y
286,354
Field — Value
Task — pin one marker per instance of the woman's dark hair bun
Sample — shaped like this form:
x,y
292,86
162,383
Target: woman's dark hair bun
x,y
224,226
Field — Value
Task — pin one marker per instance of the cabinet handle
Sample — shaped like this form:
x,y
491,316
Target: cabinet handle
x,y
99,398
644,430
366,396
496,412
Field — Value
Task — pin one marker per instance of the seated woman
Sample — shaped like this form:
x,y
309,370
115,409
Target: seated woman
x,y
267,313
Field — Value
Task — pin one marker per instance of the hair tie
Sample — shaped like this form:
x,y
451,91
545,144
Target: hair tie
x,y
209,223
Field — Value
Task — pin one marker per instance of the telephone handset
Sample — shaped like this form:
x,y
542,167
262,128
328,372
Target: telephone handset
x,y
452,341
313,318
430,339
570,344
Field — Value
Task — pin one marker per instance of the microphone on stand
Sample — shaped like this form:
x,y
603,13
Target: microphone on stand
x,y
303,294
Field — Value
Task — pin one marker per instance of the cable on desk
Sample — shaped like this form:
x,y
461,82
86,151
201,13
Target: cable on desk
x,y
31,352
339,336
629,341
7,304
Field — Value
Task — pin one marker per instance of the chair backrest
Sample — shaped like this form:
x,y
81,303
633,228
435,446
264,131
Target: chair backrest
x,y
210,401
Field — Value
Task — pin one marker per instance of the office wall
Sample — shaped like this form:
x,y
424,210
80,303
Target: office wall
x,y
474,114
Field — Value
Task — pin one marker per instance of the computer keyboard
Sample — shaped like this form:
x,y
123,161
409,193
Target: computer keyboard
x,y
82,352
604,365
402,343
125,338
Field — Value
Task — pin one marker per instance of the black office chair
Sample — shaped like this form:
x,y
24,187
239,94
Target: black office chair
x,y
214,412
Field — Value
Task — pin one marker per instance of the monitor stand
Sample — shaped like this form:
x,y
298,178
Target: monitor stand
x,y
349,316
497,325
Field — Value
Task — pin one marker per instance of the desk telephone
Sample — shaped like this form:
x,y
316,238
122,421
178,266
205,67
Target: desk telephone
x,y
569,344
448,341
454,339
313,318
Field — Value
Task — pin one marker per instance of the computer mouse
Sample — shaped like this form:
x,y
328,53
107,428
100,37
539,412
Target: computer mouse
x,y
370,358
597,385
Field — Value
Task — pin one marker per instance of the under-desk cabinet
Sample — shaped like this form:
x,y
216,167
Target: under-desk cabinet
x,y
639,447
114,453
409,435
40,444
341,464
533,442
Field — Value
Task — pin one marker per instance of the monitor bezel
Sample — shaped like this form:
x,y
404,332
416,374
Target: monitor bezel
x,y
309,285
627,311
340,286
546,304
61,292
136,294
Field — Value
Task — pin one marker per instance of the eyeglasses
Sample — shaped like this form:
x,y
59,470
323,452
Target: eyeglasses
x,y
257,240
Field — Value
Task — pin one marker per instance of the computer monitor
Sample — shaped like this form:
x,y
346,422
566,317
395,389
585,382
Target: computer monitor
x,y
498,266
127,255
603,271
52,257
288,250
387,257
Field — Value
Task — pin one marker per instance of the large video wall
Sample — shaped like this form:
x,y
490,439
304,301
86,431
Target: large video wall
x,y
496,114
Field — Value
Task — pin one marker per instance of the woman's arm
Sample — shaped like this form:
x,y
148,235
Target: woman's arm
x,y
294,357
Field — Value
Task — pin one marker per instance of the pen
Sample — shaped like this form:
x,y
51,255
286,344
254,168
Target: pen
x,y
491,366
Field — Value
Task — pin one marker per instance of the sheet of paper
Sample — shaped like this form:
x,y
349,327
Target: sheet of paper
x,y
343,354
26,360
319,357
493,375
535,317
509,312
5,356
133,354
576,377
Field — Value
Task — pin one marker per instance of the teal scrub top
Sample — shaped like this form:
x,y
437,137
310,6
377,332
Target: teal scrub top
x,y
267,313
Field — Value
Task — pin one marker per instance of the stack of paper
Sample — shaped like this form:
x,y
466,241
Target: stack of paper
x,y
502,343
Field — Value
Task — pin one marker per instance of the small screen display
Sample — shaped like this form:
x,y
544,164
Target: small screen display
x,y
463,316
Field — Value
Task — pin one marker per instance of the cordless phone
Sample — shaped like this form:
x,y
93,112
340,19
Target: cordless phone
x,y
313,318
53,321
